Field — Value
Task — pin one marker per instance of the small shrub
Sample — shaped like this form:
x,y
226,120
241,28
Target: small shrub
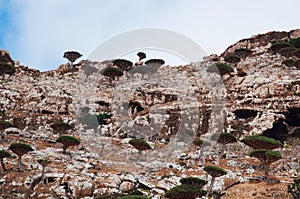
x,y
242,52
199,142
289,62
67,141
261,142
220,68
287,52
139,144
88,70
280,45
294,188
103,117
297,53
297,63
184,191
193,181
232,58
60,127
7,68
295,42
2,112
4,125
3,154
20,149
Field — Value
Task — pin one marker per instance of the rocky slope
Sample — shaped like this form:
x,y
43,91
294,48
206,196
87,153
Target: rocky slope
x,y
168,107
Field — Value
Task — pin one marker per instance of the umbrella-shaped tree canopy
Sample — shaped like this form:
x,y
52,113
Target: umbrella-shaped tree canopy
x,y
155,62
72,56
261,142
123,64
141,55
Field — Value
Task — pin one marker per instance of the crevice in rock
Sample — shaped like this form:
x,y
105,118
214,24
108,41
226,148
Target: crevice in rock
x,y
135,107
279,131
245,113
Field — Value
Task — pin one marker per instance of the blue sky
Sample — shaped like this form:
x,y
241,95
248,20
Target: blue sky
x,y
37,32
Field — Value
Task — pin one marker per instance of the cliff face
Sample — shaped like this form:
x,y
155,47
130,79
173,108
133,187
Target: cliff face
x,y
167,107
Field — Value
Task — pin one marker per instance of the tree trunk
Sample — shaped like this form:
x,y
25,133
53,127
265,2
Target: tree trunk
x,y
211,185
64,149
20,163
43,175
2,164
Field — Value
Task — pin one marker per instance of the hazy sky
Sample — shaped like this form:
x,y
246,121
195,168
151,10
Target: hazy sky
x,y
37,32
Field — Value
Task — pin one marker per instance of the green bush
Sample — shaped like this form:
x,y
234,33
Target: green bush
x,y
287,52
289,62
280,45
242,52
67,141
3,154
184,191
193,181
7,68
294,188
295,42
297,63
220,68
60,127
139,144
261,142
2,112
200,142
4,125
297,53
232,58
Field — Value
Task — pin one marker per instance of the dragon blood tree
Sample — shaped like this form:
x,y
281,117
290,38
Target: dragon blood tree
x,y
261,142
215,172
67,141
60,127
3,154
266,157
20,149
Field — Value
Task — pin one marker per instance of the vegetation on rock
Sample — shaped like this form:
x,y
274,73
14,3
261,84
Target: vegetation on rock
x,y
220,68
20,149
232,58
294,188
4,125
215,172
184,191
67,141
3,154
266,157
261,142
72,56
139,144
60,127
123,64
280,45
243,52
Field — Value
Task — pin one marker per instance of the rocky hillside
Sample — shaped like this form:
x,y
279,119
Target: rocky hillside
x,y
167,106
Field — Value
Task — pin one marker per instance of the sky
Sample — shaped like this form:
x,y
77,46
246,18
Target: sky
x,y
37,32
